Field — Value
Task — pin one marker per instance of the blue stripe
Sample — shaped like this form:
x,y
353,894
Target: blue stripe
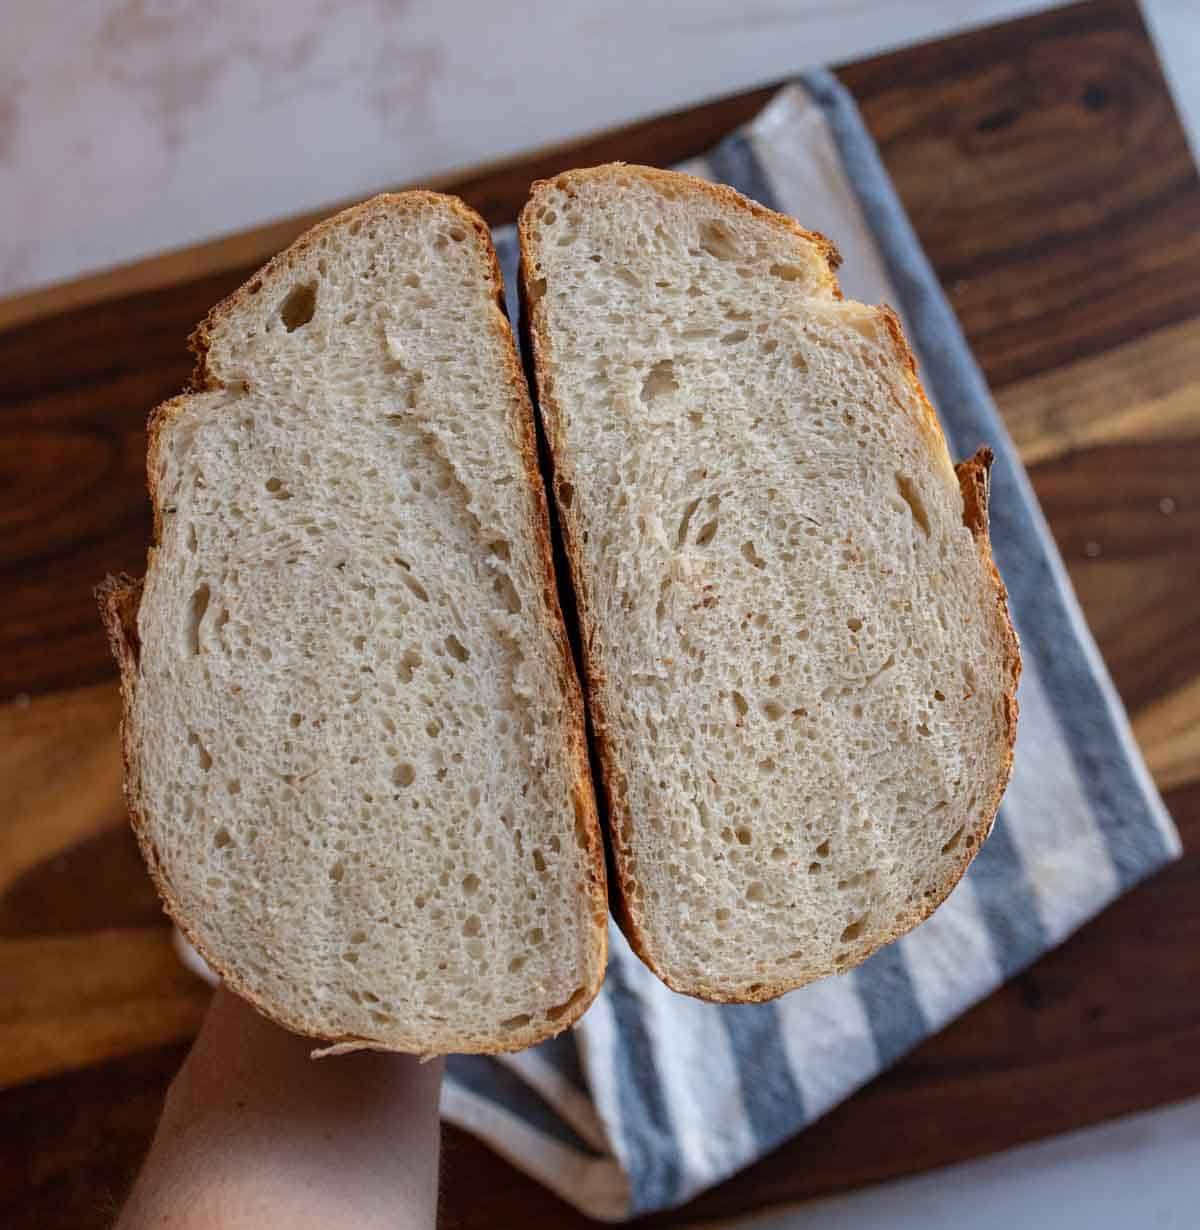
x,y
1034,575
735,163
1006,902
493,1082
651,1151
562,1054
886,990
508,253
773,1101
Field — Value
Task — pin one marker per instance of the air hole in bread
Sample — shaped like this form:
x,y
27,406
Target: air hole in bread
x,y
787,273
222,838
504,589
407,665
744,835
685,521
854,930
196,610
773,710
822,851
708,532
413,585
660,381
734,337
751,555
911,497
404,775
337,871
561,1010
299,307
515,1022
740,707
718,241
566,494
202,757
756,891
955,838
457,649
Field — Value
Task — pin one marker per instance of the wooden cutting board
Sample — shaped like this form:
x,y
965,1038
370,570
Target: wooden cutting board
x,y
1047,175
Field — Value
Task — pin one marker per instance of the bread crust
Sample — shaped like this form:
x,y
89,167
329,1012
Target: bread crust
x,y
119,599
973,481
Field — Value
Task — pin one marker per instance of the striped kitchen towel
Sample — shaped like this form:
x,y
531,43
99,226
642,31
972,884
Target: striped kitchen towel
x,y
655,1096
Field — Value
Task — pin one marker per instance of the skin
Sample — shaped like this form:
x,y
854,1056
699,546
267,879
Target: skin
x,y
256,1134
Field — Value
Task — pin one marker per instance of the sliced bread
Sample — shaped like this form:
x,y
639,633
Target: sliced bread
x,y
799,663
354,739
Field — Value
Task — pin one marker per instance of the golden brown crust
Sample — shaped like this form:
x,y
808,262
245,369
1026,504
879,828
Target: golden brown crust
x,y
908,362
972,477
723,194
120,597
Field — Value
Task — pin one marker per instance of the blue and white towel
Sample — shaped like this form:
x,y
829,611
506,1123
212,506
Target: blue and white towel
x,y
654,1096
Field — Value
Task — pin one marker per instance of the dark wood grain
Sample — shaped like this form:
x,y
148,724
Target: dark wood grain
x,y
73,1144
1048,178
1049,181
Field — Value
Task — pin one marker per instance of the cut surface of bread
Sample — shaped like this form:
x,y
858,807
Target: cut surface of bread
x,y
354,739
800,667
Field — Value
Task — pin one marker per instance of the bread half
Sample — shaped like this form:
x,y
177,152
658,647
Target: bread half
x,y
800,667
354,739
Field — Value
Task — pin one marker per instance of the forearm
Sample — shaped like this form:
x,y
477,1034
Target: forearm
x,y
254,1133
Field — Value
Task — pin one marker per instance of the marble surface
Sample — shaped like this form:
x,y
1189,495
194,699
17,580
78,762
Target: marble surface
x,y
128,127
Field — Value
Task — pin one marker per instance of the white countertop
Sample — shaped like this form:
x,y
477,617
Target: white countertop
x,y
1138,1173
132,126
128,127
